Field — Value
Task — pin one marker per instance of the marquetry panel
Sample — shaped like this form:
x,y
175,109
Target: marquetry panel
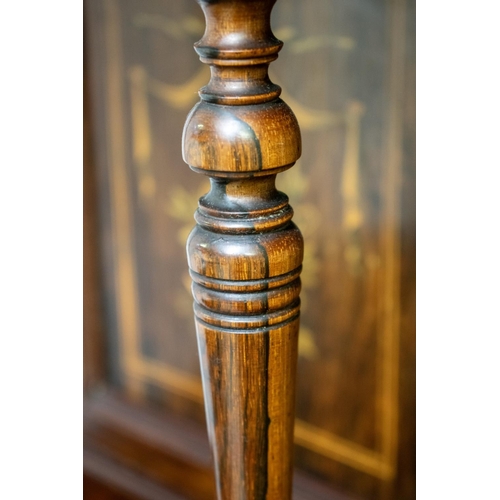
x,y
344,72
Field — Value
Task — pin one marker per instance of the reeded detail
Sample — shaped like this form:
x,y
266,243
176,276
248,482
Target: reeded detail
x,y
245,286
271,302
256,322
251,303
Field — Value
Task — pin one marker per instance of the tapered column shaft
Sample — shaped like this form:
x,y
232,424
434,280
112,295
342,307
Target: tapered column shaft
x,y
245,253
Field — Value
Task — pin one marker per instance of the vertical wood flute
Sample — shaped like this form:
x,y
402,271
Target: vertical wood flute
x,y
245,253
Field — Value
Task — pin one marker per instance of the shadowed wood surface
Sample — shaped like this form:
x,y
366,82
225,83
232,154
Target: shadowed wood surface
x,y
137,453
95,490
245,254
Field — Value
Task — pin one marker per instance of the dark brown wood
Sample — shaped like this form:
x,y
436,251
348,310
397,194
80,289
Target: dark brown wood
x,y
93,330
93,489
245,254
337,56
142,452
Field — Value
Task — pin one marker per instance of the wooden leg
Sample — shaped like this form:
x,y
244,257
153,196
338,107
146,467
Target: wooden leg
x,y
245,253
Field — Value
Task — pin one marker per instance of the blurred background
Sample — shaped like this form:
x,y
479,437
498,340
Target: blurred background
x,y
347,70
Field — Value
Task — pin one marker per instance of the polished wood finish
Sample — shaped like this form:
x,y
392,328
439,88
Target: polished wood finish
x,y
245,254
339,71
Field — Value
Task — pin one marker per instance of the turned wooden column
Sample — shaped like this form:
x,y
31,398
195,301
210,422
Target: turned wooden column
x,y
245,253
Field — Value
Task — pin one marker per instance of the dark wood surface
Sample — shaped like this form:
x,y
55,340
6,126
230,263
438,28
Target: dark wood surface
x,y
96,490
135,450
353,196
93,320
245,253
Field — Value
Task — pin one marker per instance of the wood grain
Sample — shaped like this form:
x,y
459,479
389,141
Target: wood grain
x,y
339,57
245,254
